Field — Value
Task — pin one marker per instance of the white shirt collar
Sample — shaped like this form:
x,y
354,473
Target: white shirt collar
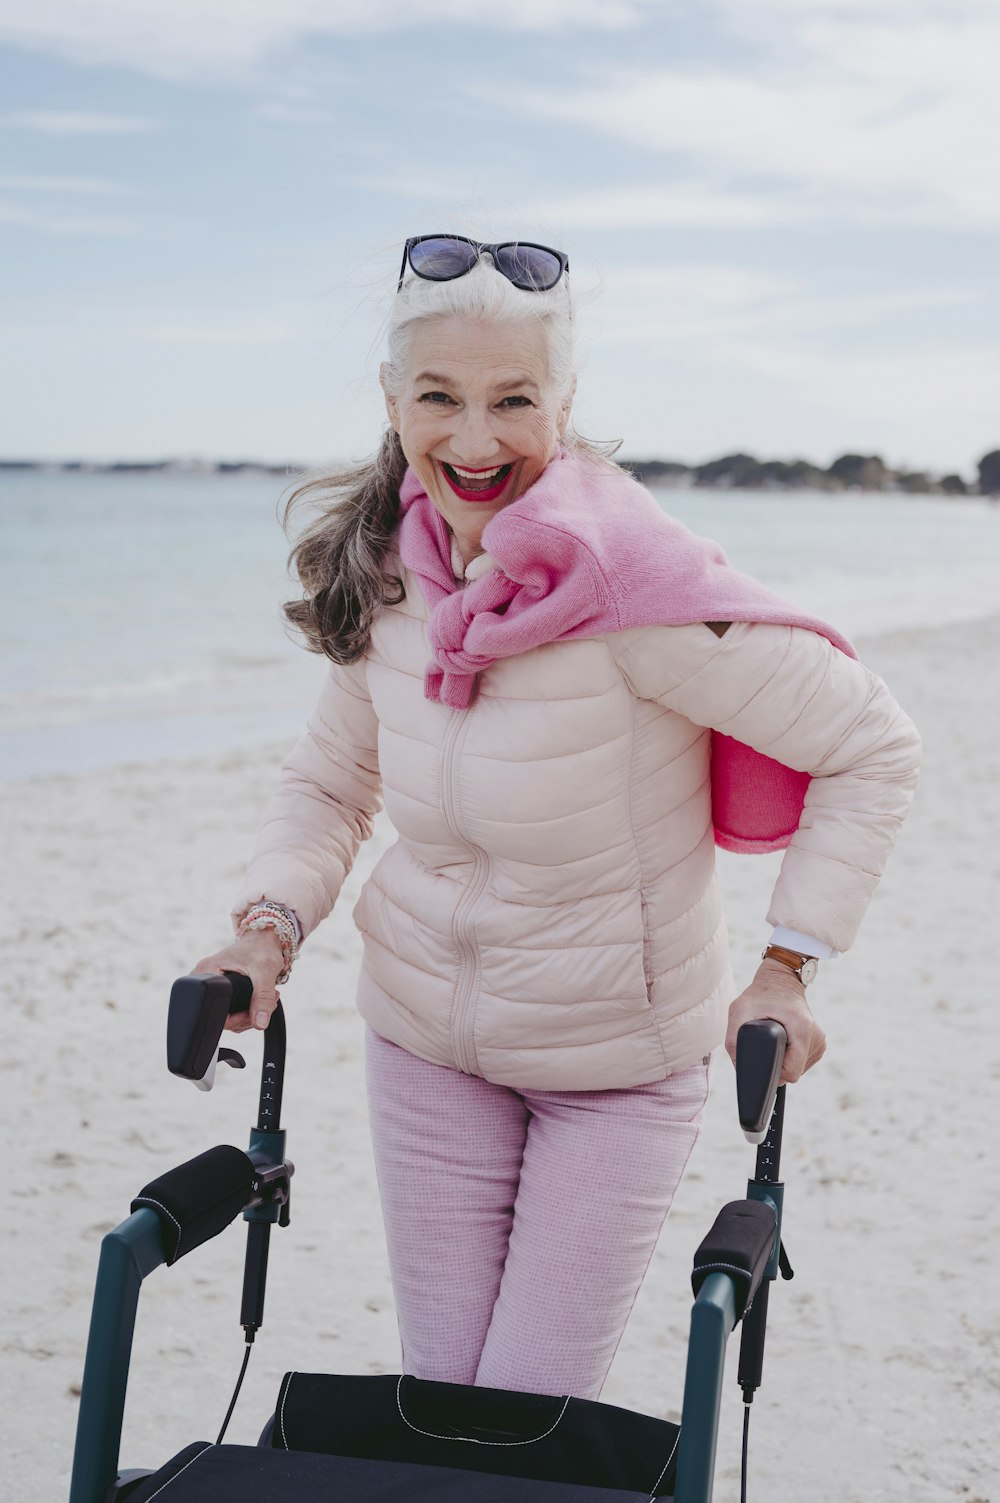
x,y
475,569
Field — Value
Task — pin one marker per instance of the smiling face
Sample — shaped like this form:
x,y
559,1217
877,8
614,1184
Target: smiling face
x,y
478,416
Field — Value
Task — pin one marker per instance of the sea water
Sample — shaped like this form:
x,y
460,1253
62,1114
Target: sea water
x,y
140,615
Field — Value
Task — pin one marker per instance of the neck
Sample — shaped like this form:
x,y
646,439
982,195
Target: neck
x,y
470,546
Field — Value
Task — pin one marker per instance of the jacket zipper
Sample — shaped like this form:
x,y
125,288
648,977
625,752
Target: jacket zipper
x,y
463,929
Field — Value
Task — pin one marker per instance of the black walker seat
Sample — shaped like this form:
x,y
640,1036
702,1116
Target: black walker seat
x,y
400,1437
388,1438
204,1473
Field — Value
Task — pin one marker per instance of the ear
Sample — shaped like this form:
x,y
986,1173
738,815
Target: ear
x,y
391,404
566,409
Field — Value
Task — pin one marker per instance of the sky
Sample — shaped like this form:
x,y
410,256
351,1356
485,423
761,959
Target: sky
x,y
782,216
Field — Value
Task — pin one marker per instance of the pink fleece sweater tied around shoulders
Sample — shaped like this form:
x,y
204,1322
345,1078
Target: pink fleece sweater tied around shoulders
x,y
586,551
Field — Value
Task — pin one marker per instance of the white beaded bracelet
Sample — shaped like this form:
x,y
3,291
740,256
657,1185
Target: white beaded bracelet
x,y
274,916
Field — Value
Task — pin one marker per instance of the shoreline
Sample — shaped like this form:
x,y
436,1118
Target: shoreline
x,y
122,878
849,473
230,733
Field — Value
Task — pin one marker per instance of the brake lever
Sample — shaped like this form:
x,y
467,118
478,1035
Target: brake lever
x,y
196,1017
760,1053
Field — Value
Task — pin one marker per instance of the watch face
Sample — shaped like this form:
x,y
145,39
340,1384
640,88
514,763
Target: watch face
x,y
808,971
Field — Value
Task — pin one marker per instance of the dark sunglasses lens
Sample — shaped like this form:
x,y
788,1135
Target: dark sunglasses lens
x,y
442,260
529,266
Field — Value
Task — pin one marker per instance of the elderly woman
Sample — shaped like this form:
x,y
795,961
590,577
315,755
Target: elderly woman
x,y
566,701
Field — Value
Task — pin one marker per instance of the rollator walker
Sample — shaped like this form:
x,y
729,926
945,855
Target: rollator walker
x,y
399,1439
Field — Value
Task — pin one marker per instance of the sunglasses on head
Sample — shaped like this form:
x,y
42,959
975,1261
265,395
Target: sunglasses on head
x,y
442,258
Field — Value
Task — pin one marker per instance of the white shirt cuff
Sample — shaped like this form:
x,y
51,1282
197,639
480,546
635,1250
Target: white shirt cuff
x,y
806,944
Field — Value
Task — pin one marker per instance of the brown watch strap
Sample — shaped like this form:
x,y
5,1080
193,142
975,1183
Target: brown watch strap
x,y
793,959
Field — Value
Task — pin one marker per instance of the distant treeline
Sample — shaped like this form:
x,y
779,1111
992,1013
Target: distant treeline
x,y
851,472
152,467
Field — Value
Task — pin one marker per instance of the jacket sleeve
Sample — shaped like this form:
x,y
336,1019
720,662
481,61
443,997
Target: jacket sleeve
x,y
328,796
788,692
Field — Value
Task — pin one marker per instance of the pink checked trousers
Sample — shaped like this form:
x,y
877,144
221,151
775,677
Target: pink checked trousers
x,y
520,1223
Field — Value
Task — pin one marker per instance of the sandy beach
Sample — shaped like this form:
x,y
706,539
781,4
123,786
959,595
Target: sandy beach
x,y
882,1378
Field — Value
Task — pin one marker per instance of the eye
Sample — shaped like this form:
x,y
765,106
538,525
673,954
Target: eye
x,y
517,401
435,398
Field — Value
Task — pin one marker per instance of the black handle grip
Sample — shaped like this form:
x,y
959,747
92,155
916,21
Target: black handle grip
x,y
199,1007
760,1053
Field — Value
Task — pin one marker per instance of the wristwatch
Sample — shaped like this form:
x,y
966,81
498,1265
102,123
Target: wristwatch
x,y
804,966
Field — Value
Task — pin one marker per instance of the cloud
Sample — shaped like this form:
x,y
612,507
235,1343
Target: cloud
x,y
781,11
646,205
98,186
55,223
277,112
250,330
715,305
78,123
635,205
882,119
180,39
912,395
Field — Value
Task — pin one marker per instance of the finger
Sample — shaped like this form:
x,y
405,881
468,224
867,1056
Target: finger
x,y
209,967
737,1017
801,1051
265,1000
794,1064
818,1048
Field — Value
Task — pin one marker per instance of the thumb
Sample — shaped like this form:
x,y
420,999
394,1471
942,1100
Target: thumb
x,y
264,1001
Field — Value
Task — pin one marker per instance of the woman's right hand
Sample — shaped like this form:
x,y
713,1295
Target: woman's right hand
x,y
258,955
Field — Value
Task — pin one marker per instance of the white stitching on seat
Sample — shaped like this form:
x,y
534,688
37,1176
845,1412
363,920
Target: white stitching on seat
x,y
728,1267
183,1469
473,1440
673,1452
281,1412
149,1201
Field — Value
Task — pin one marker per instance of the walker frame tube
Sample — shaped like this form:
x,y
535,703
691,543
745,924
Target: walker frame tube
x,y
713,1317
128,1254
135,1249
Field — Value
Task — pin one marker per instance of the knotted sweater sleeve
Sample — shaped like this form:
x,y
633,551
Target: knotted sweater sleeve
x,y
789,693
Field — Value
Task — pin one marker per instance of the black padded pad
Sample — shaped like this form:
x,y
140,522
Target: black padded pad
x,y
199,1199
526,1435
740,1243
248,1474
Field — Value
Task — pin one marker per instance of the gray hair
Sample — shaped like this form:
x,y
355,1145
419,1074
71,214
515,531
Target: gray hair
x,y
485,295
340,557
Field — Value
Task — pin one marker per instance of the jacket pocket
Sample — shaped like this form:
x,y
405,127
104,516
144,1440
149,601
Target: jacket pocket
x,y
647,959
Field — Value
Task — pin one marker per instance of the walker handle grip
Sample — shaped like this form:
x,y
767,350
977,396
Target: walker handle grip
x,y
199,1007
760,1053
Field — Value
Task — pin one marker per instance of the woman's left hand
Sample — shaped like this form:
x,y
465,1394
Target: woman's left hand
x,y
776,992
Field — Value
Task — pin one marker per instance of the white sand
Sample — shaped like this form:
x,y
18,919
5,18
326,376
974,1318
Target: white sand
x,y
883,1364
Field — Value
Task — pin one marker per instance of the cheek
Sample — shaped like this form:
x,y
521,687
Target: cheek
x,y
541,435
419,431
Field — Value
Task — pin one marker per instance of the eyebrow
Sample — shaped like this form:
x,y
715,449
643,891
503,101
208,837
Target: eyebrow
x,y
515,381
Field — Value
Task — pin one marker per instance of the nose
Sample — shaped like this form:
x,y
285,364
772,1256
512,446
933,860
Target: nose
x,y
474,440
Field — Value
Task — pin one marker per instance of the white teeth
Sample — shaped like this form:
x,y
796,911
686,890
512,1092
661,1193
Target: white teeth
x,y
479,475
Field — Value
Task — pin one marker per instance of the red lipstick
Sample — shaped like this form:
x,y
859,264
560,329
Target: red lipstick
x,y
489,493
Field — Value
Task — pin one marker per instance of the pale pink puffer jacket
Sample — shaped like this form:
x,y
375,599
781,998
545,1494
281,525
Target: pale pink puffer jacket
x,y
550,916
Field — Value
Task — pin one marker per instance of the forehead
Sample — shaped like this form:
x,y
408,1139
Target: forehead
x,y
479,352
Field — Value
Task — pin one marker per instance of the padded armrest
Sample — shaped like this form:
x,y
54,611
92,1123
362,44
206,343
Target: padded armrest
x,y
740,1243
199,1199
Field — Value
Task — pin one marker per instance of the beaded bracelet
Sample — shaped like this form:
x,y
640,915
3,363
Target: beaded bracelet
x,y
273,916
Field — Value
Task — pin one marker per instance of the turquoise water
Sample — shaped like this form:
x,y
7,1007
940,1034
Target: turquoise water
x,y
140,615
